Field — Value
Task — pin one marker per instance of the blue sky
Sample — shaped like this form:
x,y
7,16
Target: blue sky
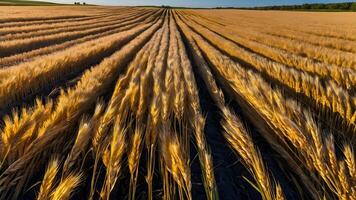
x,y
201,3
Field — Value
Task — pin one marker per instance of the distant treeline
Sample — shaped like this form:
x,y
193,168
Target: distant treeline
x,y
347,6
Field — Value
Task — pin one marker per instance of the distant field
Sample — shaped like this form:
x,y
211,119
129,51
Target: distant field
x,y
152,103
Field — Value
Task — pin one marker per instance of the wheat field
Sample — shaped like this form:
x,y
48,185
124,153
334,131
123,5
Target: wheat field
x,y
156,103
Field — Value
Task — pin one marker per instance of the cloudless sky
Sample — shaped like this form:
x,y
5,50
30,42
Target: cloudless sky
x,y
200,3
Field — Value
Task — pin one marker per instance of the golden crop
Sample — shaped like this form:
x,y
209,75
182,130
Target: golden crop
x,y
147,103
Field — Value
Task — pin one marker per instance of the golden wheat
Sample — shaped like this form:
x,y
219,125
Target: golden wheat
x,y
235,132
49,68
42,27
69,104
344,77
65,188
112,158
301,119
329,95
114,102
48,180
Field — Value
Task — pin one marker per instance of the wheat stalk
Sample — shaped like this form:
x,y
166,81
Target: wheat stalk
x,y
112,159
176,162
48,181
65,188
134,155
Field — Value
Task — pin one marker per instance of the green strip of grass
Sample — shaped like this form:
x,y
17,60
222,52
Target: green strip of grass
x,y
26,3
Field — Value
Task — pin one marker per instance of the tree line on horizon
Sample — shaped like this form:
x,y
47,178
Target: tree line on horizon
x,y
346,6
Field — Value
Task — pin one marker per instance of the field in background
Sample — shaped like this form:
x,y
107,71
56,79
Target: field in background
x,y
145,103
